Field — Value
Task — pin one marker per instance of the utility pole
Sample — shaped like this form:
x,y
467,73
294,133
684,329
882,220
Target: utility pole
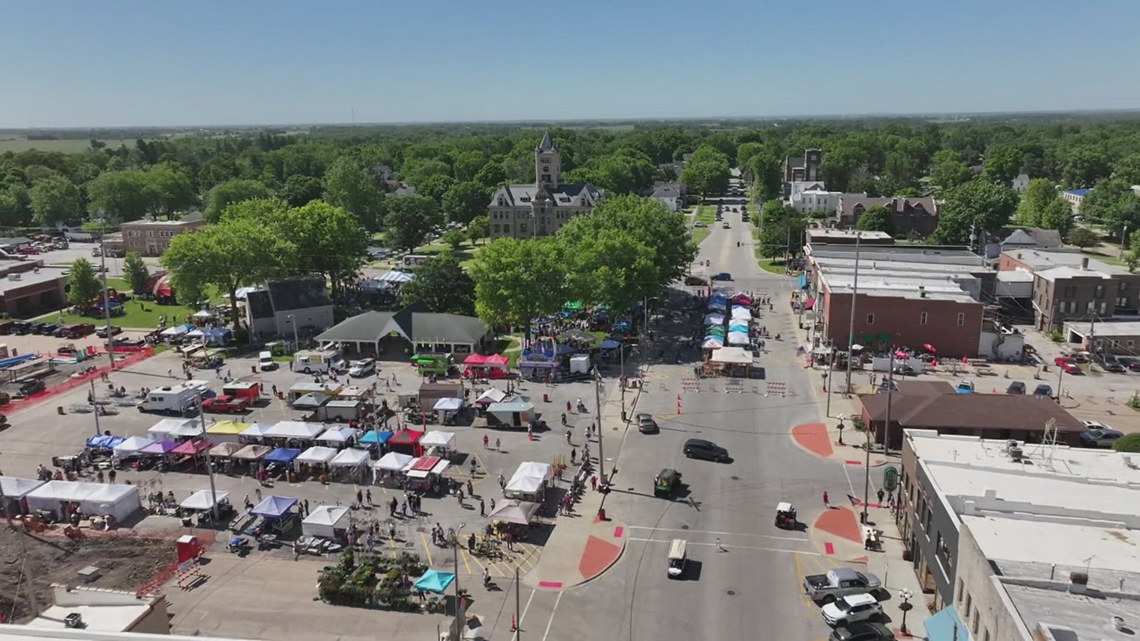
x,y
851,325
458,599
598,406
106,297
871,441
621,381
209,463
1123,240
830,372
95,409
518,609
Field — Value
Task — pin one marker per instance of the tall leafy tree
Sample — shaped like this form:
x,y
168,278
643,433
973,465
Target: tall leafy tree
x,y
1002,164
765,170
352,185
519,280
119,195
410,219
443,285
1128,169
466,201
707,172
299,191
781,230
1112,203
55,200
326,240
168,190
948,170
627,171
15,206
877,218
1058,214
1083,166
435,187
136,272
230,192
1037,195
478,229
1083,237
973,208
610,267
234,253
83,283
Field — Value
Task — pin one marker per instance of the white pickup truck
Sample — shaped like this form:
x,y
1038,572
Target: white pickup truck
x,y
838,583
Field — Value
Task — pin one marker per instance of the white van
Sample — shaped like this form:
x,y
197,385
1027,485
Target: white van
x,y
318,361
180,400
677,558
265,361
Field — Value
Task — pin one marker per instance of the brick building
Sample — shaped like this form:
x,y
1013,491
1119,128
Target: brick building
x,y
152,237
1069,286
906,296
28,288
912,215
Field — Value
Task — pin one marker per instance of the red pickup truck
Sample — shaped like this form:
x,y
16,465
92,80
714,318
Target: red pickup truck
x,y
225,404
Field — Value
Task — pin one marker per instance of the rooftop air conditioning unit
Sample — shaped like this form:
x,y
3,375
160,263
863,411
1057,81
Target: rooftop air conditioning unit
x,y
1016,453
73,621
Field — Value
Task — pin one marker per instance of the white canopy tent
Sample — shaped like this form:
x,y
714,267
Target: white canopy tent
x,y
162,430
189,429
350,457
295,430
448,405
437,438
529,478
737,338
177,330
741,313
257,430
13,487
731,356
338,435
393,462
325,520
492,395
714,319
132,445
316,455
204,500
96,499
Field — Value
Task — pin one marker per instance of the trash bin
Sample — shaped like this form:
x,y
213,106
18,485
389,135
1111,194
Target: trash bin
x,y
546,398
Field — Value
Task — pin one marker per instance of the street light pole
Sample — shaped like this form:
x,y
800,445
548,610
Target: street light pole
x,y
1123,239
95,409
905,606
601,438
828,375
209,464
106,297
296,341
851,325
458,599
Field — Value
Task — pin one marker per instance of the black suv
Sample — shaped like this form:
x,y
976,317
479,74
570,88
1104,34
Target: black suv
x,y
707,450
861,631
1016,387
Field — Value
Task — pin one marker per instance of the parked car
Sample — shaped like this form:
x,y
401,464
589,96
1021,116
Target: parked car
x,y
721,276
31,386
1106,437
1094,425
726,226
362,368
1110,364
1043,390
707,450
850,609
21,329
862,631
1016,387
646,424
689,280
108,330
1068,365
838,583
700,224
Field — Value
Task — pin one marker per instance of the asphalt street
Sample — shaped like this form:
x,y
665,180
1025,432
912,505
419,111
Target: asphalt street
x,y
751,581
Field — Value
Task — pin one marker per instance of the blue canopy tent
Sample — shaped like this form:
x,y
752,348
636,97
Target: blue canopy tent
x,y
104,442
274,507
218,337
282,455
434,581
609,344
374,437
737,328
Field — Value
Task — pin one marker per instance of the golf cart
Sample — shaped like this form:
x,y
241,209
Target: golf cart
x,y
785,516
666,482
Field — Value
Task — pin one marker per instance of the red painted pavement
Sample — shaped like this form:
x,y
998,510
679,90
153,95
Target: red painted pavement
x,y
597,556
842,522
556,585
829,548
618,532
813,437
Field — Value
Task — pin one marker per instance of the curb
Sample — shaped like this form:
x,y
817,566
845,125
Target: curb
x,y
564,586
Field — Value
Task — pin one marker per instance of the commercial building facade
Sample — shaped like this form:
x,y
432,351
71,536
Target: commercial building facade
x,y
28,288
152,237
1069,286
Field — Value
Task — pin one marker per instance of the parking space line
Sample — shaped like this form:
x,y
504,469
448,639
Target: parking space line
x,y
466,563
427,549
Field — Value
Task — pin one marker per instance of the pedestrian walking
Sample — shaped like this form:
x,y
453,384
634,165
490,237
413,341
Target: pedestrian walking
x,y
486,442
459,495
391,530
498,447
473,466
257,493
248,503
368,496
719,547
470,488
492,504
569,433
573,455
359,497
307,507
502,482
483,508
594,482
881,494
404,508
392,506
111,476
826,501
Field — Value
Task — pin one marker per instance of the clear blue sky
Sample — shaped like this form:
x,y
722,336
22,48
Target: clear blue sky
x,y
167,62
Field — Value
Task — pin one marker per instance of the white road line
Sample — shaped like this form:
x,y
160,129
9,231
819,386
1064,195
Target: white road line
x,y
519,623
848,475
551,621
730,547
715,533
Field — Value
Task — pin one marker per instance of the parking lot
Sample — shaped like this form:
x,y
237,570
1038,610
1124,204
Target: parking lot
x,y
39,432
65,257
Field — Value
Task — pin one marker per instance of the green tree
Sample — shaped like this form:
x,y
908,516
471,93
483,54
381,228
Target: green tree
x,y
626,171
1127,443
478,229
15,206
877,218
1113,204
417,172
443,285
1002,164
1083,166
410,219
764,167
299,190
466,164
55,200
238,251
466,201
350,184
454,239
781,230
707,172
119,195
230,192
1038,194
168,190
322,238
1083,237
491,175
136,272
435,187
519,280
610,267
948,171
83,283
973,208
1128,169
1058,214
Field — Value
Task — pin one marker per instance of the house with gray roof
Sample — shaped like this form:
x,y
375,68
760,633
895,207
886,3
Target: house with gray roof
x,y
541,209
397,335
671,194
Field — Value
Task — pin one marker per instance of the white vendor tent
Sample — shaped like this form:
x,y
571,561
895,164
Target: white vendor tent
x,y
189,429
13,487
295,430
162,430
448,405
731,356
257,430
492,395
204,500
741,313
96,499
528,478
338,435
325,521
437,438
350,457
737,338
132,445
393,462
316,454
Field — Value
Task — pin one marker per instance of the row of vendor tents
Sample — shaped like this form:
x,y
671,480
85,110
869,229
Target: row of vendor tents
x,y
727,321
97,499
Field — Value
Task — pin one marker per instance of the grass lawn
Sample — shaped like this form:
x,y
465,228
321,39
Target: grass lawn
x,y
773,265
699,234
706,214
509,346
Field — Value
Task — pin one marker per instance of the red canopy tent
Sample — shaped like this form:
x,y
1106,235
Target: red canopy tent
x,y
475,359
493,366
192,447
162,287
406,442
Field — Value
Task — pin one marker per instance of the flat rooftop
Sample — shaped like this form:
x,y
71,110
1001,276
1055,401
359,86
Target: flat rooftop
x,y
102,618
1087,615
1019,547
1106,328
896,277
29,633
847,233
905,253
1039,259
34,277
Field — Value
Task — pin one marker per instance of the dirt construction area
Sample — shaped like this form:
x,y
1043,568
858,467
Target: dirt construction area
x,y
30,563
